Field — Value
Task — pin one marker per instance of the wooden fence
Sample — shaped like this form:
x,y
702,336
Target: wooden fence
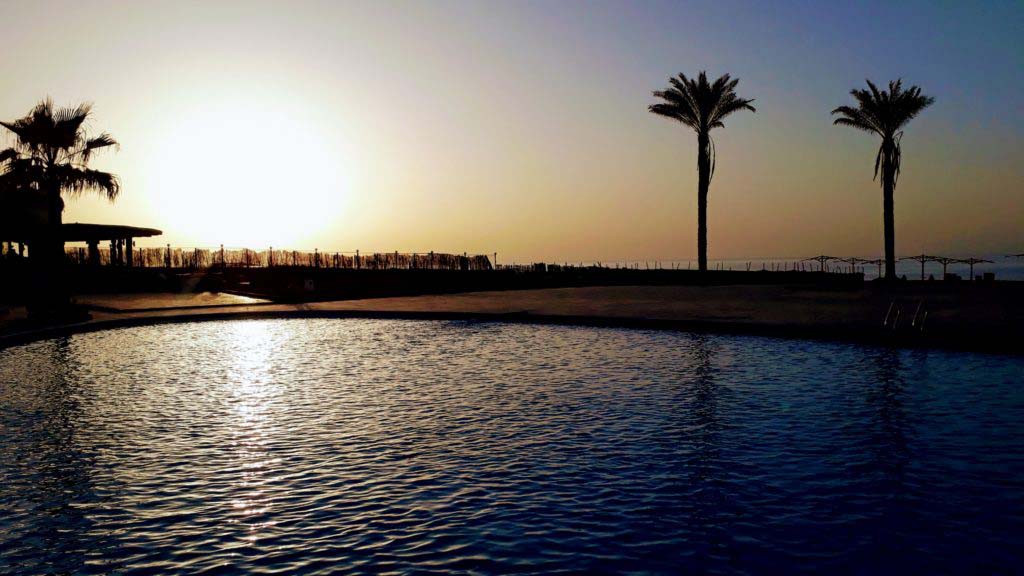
x,y
206,258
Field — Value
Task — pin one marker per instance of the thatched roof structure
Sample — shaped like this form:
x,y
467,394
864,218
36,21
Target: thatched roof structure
x,y
80,232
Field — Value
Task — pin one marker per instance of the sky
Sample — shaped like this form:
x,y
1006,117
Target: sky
x,y
522,127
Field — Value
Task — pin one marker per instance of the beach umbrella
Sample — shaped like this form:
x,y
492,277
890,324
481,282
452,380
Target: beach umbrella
x,y
922,258
972,261
821,260
877,262
945,262
854,261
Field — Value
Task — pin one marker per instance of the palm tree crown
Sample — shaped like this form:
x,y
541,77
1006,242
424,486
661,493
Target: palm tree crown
x,y
884,112
700,104
51,153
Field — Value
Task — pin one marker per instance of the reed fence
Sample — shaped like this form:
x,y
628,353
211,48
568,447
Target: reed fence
x,y
212,258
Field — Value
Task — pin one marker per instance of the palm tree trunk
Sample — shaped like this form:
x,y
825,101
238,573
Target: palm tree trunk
x,y
50,294
888,187
54,240
703,181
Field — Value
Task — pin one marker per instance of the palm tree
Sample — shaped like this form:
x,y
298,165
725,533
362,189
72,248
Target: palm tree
x,y
50,155
702,106
885,113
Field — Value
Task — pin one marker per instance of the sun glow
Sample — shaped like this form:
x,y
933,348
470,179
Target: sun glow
x,y
251,174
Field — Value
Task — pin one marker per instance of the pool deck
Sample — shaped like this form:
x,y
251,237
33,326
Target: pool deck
x,y
981,318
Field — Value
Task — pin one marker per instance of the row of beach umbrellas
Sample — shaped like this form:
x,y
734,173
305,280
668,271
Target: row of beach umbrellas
x,y
823,261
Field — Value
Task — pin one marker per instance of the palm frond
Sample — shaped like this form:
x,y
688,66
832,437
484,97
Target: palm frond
x,y
8,154
21,164
857,114
878,160
897,157
75,116
104,140
20,131
101,141
74,181
854,123
674,112
729,105
67,125
677,105
714,158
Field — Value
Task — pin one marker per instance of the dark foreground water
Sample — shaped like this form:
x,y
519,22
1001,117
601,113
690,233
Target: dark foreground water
x,y
339,446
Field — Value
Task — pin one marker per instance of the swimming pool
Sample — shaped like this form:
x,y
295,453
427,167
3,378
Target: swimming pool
x,y
322,446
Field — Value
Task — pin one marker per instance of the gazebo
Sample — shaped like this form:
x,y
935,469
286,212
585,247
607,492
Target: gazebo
x,y
120,237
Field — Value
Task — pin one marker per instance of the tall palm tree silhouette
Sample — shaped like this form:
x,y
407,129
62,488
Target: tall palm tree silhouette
x,y
50,155
49,159
885,112
702,106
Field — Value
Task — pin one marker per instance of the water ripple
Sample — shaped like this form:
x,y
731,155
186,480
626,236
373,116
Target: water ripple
x,y
354,446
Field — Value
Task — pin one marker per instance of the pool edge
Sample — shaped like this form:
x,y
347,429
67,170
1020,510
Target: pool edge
x,y
831,333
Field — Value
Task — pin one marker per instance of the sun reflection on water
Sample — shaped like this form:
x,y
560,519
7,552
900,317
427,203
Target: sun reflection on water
x,y
252,392
316,446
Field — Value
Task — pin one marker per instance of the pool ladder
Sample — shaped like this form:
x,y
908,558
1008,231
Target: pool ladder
x,y
895,313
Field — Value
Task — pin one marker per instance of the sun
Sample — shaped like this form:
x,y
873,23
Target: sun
x,y
250,174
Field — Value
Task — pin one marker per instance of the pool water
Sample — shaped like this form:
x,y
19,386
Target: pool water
x,y
348,446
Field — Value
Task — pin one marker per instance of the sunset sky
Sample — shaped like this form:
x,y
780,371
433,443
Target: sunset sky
x,y
522,127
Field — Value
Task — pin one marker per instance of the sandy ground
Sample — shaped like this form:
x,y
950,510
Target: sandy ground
x,y
138,302
977,317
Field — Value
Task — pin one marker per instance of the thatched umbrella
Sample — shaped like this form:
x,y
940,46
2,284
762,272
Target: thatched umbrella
x,y
922,258
945,262
972,261
854,261
821,260
877,262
